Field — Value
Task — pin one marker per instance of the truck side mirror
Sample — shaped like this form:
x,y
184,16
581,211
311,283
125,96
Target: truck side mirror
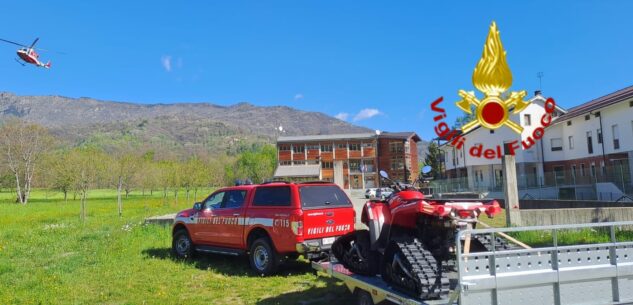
x,y
197,206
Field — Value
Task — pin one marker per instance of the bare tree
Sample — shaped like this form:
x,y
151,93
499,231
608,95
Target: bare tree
x,y
125,165
88,165
22,145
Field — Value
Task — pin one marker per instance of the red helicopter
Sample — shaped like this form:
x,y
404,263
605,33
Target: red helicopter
x,y
28,54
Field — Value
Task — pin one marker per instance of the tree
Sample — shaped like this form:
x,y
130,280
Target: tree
x,y
22,145
61,172
89,167
433,159
257,165
125,165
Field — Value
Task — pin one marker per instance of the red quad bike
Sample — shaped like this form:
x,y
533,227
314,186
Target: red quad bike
x,y
411,240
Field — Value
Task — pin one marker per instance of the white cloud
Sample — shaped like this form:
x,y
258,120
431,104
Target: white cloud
x,y
342,116
298,96
366,114
166,62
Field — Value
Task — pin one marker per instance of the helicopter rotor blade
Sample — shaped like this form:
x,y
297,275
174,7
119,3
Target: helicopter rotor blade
x,y
34,42
15,43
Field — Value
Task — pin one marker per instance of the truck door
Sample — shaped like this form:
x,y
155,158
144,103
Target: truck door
x,y
205,221
230,217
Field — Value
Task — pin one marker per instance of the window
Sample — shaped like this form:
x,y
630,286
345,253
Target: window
x,y
272,196
557,144
616,137
326,147
299,162
397,163
571,142
313,147
341,146
285,162
368,145
582,169
396,147
568,123
559,174
589,143
233,199
214,201
593,169
368,166
631,104
599,133
603,169
298,148
354,165
492,131
527,119
597,114
587,117
354,146
573,171
284,147
323,197
327,164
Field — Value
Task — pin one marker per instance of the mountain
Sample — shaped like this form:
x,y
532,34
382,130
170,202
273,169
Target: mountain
x,y
178,126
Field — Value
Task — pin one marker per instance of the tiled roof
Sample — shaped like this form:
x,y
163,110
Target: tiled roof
x,y
601,102
297,171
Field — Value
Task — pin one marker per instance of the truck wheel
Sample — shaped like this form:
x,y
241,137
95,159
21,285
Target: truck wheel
x,y
263,258
181,244
363,297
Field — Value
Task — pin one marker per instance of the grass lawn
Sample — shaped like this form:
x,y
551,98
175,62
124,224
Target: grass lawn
x,y
49,256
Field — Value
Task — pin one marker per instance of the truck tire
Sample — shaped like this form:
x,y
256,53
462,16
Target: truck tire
x,y
181,245
263,258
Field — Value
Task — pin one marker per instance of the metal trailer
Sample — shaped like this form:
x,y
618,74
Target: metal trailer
x,y
593,273
369,290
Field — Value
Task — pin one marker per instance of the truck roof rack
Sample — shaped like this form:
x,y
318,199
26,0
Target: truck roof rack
x,y
316,182
271,182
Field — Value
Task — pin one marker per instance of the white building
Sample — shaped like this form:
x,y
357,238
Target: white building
x,y
584,153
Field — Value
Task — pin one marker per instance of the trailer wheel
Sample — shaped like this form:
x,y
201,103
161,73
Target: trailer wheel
x,y
363,297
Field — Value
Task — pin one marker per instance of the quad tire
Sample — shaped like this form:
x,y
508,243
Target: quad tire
x,y
354,251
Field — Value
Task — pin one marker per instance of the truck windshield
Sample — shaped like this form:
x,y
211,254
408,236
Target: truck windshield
x,y
323,196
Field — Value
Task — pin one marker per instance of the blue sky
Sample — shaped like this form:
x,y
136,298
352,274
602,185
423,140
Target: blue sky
x,y
382,63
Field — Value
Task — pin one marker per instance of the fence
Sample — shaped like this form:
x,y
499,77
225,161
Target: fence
x,y
571,182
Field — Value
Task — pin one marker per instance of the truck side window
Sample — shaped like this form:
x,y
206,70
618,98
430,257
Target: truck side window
x,y
272,196
234,199
214,201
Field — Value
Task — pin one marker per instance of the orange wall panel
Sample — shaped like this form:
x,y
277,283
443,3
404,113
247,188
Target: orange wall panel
x,y
341,154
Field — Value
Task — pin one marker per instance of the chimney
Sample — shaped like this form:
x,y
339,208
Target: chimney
x,y
537,92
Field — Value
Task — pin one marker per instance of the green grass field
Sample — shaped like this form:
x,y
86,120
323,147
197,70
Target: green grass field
x,y
49,256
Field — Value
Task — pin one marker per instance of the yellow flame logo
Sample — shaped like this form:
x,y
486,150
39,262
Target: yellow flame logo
x,y
492,76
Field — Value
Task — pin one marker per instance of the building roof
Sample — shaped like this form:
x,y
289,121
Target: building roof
x,y
298,171
404,135
350,136
601,102
358,136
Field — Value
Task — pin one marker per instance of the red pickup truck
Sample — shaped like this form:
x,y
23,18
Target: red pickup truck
x,y
269,222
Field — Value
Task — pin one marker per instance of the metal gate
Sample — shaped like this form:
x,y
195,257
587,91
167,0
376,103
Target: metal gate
x,y
599,273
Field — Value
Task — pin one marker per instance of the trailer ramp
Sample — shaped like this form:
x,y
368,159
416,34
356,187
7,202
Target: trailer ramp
x,y
599,273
